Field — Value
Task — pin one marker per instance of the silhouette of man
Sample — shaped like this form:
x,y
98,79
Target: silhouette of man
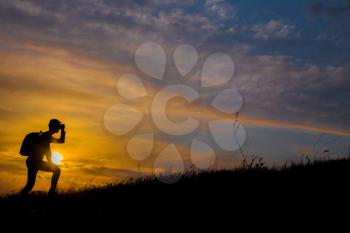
x,y
35,159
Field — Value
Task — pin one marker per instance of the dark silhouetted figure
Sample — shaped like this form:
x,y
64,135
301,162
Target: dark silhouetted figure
x,y
35,146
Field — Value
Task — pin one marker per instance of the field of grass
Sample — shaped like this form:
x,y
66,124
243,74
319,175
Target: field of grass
x,y
294,193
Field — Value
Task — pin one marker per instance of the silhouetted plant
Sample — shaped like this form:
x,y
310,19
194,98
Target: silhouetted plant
x,y
255,162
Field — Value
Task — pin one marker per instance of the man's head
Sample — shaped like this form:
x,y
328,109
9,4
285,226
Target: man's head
x,y
54,125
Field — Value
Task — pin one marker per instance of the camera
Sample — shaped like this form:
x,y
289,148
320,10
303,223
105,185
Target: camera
x,y
62,126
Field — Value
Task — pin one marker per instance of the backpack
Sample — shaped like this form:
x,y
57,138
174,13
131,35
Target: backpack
x,y
30,144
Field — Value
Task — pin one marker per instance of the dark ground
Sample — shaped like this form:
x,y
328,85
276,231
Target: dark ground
x,y
291,195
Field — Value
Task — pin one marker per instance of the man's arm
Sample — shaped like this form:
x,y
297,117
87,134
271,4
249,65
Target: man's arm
x,y
61,139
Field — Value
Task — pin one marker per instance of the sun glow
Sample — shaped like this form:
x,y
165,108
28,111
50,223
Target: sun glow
x,y
56,157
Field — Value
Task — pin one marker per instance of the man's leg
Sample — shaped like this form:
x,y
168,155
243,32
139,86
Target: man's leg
x,y
54,180
44,166
30,181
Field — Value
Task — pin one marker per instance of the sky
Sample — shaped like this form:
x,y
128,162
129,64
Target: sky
x,y
62,59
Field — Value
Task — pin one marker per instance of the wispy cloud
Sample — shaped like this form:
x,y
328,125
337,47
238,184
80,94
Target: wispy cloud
x,y
329,11
274,29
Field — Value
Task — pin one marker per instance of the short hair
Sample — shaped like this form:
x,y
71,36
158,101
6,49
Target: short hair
x,y
54,123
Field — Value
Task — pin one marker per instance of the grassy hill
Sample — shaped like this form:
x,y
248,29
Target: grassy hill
x,y
293,193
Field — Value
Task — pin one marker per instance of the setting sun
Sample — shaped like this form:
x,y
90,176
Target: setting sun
x,y
56,157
